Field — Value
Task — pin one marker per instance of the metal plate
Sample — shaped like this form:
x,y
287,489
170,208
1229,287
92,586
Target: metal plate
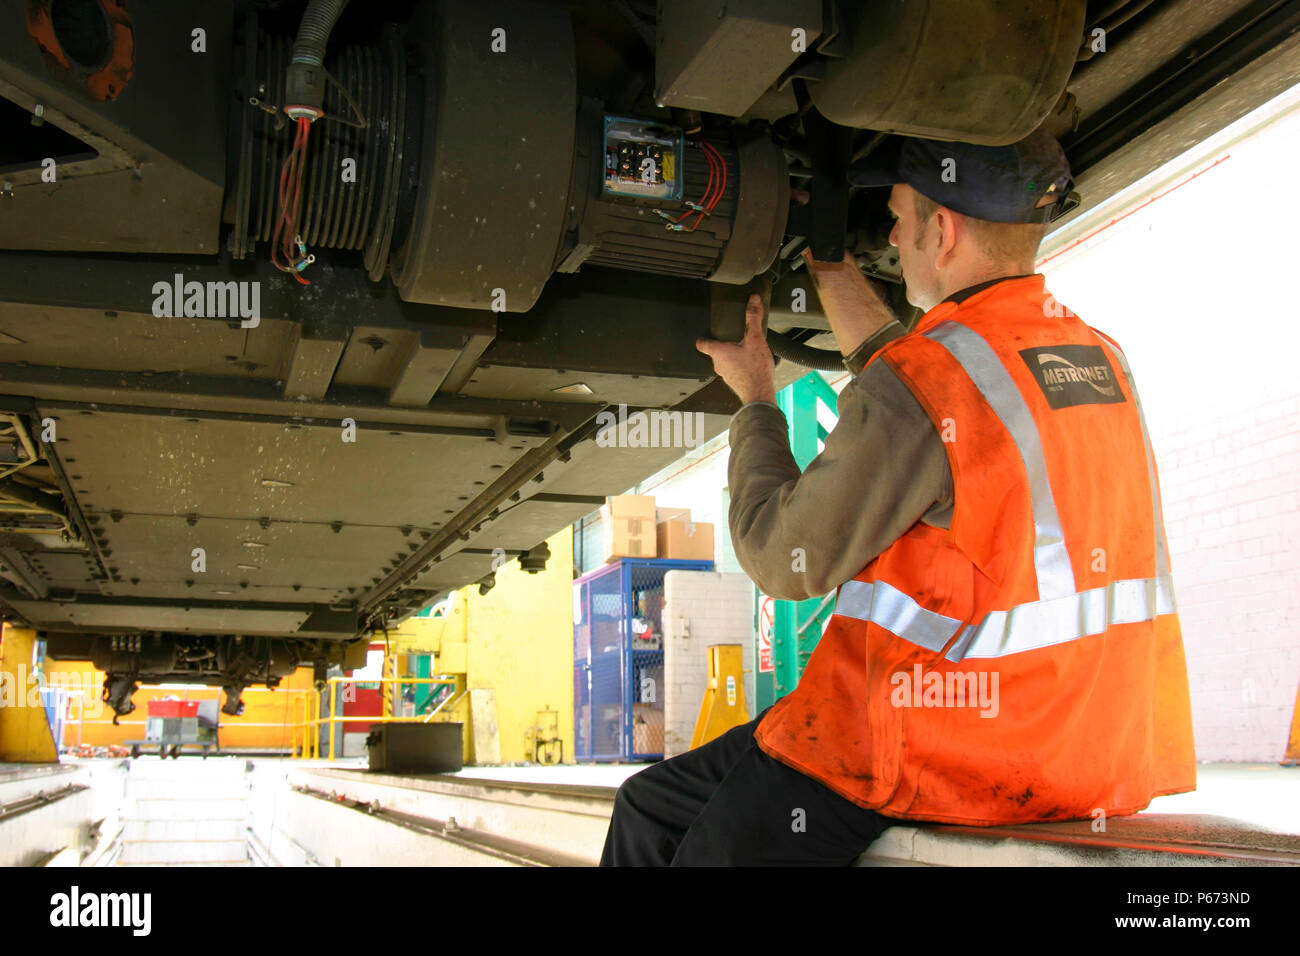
x,y
159,464
131,342
456,570
507,381
222,620
160,549
533,520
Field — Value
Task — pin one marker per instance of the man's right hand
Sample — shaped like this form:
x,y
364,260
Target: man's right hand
x,y
745,366
852,306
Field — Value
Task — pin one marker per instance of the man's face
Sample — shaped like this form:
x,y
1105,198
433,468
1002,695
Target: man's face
x,y
909,236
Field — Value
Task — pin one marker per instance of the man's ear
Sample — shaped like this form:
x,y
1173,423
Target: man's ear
x,y
944,240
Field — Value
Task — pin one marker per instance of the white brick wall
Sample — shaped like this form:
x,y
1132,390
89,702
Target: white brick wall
x,y
1233,518
701,608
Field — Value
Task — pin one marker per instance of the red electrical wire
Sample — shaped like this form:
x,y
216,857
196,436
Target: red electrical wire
x,y
284,255
708,151
707,188
722,169
717,182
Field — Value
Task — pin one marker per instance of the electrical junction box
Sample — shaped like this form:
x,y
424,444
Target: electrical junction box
x,y
642,159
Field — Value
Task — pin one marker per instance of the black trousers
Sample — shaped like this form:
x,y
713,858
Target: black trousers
x,y
729,804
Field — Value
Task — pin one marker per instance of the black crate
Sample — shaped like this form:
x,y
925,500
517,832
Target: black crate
x,y
416,748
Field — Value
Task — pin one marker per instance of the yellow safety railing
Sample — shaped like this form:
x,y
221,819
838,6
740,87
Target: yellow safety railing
x,y
305,743
295,705
307,735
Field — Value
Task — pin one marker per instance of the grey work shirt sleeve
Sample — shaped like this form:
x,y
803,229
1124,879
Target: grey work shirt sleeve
x,y
881,337
883,468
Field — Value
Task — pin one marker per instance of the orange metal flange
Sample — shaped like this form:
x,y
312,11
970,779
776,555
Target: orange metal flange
x,y
103,69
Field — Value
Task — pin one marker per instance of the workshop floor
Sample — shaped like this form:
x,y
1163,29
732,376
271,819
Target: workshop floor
x,y
1265,795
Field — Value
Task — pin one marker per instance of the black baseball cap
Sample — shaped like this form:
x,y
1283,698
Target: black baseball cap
x,y
996,183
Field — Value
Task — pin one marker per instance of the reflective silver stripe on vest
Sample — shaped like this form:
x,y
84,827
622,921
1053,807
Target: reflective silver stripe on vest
x,y
981,363
1038,624
1026,627
883,604
1162,555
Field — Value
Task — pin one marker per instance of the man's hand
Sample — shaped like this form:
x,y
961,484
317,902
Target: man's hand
x,y
852,305
746,366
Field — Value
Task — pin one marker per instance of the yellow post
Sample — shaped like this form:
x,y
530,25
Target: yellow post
x,y
313,740
723,706
390,664
1292,756
25,735
331,696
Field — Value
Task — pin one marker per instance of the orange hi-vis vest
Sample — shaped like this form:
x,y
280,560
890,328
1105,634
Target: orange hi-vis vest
x,y
1026,664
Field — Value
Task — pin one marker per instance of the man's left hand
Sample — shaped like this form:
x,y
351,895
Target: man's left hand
x,y
745,366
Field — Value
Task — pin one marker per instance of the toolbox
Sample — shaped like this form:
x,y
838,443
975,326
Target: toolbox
x,y
416,747
173,708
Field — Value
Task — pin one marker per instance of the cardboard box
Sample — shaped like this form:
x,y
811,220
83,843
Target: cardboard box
x,y
652,714
647,729
629,506
685,540
647,739
628,526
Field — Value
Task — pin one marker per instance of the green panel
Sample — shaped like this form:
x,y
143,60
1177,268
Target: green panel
x,y
797,625
422,691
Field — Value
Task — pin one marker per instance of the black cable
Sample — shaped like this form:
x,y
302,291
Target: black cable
x,y
314,31
352,105
304,86
823,360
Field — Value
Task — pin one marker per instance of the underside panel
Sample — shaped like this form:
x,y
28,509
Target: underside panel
x,y
282,472
131,617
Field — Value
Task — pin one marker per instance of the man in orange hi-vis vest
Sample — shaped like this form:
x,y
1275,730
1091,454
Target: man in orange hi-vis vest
x,y
1004,646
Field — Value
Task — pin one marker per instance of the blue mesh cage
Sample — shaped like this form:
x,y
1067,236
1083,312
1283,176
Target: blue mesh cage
x,y
618,657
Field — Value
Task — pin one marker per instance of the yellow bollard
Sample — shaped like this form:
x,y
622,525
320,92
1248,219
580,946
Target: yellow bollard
x,y
723,706
1292,756
25,735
